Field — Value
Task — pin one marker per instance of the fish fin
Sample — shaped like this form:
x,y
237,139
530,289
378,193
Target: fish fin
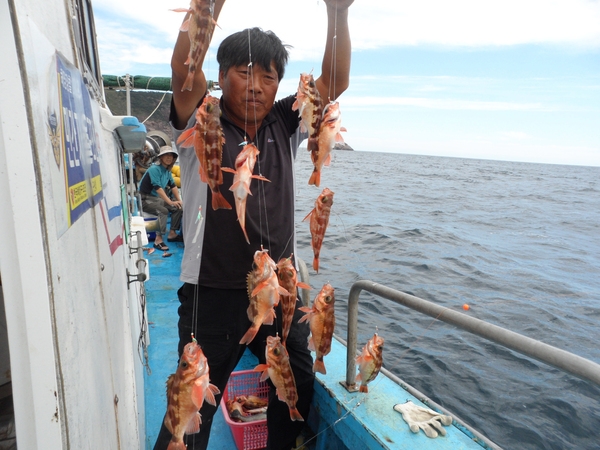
x,y
315,178
264,368
194,424
249,336
260,177
316,264
258,288
218,201
210,394
311,344
363,388
283,291
185,26
246,235
319,366
189,82
308,215
269,317
339,138
327,161
307,316
303,127
235,185
295,414
295,105
358,377
176,446
227,169
186,139
301,285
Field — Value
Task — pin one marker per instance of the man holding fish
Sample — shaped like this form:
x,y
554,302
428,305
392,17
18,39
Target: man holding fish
x,y
219,254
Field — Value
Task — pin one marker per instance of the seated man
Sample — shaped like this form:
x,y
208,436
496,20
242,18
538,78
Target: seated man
x,y
155,184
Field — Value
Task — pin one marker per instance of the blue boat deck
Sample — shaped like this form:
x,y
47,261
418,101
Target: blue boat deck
x,y
340,419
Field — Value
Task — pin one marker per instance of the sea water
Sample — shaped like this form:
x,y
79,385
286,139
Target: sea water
x,y
518,242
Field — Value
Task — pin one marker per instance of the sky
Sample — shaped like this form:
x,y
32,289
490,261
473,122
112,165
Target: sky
x,y
515,80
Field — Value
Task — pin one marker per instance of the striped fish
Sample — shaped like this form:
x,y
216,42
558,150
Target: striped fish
x,y
308,104
369,362
187,389
264,292
288,279
207,138
199,26
322,322
278,369
319,219
322,144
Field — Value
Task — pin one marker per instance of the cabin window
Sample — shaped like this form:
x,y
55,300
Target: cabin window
x,y
83,25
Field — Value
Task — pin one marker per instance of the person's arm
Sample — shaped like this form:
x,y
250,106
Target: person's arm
x,y
186,102
332,84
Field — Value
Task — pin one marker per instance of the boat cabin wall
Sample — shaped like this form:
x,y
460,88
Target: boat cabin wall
x,y
73,321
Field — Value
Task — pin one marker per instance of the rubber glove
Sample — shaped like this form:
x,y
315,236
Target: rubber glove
x,y
425,419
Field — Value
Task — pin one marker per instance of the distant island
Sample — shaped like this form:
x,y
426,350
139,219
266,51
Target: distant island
x,y
342,146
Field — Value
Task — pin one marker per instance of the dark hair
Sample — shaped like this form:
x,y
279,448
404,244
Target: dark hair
x,y
265,47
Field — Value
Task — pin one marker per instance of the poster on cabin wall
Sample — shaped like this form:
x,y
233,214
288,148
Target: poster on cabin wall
x,y
80,149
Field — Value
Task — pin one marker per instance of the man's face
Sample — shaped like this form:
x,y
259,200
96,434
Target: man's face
x,y
248,93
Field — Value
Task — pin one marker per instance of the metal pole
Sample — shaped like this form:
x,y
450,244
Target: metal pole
x,y
561,359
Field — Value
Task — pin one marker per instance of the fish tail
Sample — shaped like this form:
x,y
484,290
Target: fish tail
x,y
315,178
176,446
245,234
249,336
319,366
295,414
363,388
189,82
316,264
218,201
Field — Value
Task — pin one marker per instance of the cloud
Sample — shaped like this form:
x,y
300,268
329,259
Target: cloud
x,y
459,23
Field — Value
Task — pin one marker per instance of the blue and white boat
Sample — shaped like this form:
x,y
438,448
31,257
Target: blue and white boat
x,y
88,318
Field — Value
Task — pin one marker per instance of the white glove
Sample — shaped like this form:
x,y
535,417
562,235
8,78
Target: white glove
x,y
425,419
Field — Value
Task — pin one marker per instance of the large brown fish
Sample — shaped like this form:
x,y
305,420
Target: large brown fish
x,y
369,362
207,138
322,322
319,219
308,104
321,145
244,166
278,369
199,26
187,389
288,279
264,291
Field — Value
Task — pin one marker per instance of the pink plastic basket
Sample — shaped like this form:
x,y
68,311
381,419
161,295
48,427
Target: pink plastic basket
x,y
250,435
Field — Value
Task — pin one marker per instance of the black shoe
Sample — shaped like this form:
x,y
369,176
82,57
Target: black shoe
x,y
179,238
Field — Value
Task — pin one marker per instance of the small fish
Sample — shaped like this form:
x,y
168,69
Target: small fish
x,y
207,138
369,362
252,402
199,26
244,166
322,322
238,413
288,279
308,104
319,219
322,144
264,291
279,370
187,389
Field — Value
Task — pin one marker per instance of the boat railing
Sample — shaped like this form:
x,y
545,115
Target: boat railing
x,y
561,359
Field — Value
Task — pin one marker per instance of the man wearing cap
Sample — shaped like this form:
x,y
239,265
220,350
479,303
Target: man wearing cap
x,y
155,200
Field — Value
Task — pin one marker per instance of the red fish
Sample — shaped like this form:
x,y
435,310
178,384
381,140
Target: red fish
x,y
264,291
322,144
322,322
199,26
278,369
369,362
319,219
187,389
207,138
308,104
288,279
244,166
